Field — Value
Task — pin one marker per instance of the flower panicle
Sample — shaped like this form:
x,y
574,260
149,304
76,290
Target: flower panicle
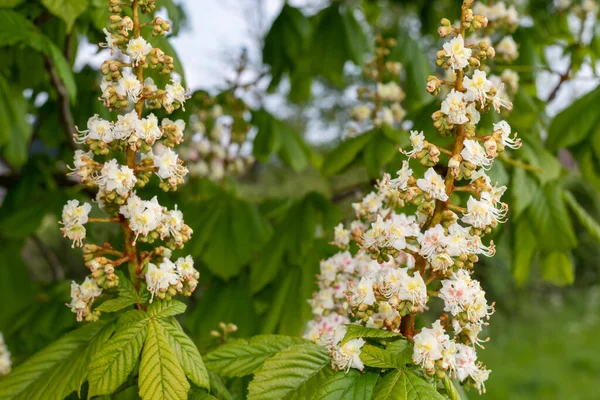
x,y
405,259
147,144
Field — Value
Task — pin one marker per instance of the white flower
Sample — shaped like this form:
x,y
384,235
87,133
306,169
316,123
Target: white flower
x,y
83,164
401,182
129,87
363,292
126,23
413,289
82,297
457,241
390,91
110,42
465,361
474,153
137,49
417,140
160,278
169,165
472,113
348,355
115,177
342,236
174,93
477,87
5,361
147,129
482,213
74,216
433,184
455,107
510,78
504,128
457,52
361,112
432,241
125,125
185,268
507,48
98,129
427,348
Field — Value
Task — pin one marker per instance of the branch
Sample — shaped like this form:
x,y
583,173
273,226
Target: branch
x,y
520,164
64,108
51,258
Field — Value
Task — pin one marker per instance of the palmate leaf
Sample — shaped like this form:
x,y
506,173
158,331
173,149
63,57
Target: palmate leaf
x,y
242,357
404,385
28,373
352,385
111,366
70,374
187,353
161,376
293,373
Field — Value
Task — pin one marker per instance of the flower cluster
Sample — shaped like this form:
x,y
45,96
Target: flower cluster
x,y
381,103
391,263
5,361
146,147
219,130
168,278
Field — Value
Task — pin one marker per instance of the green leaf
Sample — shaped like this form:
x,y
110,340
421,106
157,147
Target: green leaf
x,y
110,367
10,3
550,219
114,305
293,373
16,132
161,376
63,69
43,362
68,375
541,158
377,357
242,357
378,152
522,194
276,136
67,10
166,308
336,39
187,353
575,123
230,231
286,42
357,331
586,220
200,394
345,153
352,385
404,385
524,250
558,268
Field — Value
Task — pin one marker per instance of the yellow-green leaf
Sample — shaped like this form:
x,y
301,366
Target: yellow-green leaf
x,y
161,376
